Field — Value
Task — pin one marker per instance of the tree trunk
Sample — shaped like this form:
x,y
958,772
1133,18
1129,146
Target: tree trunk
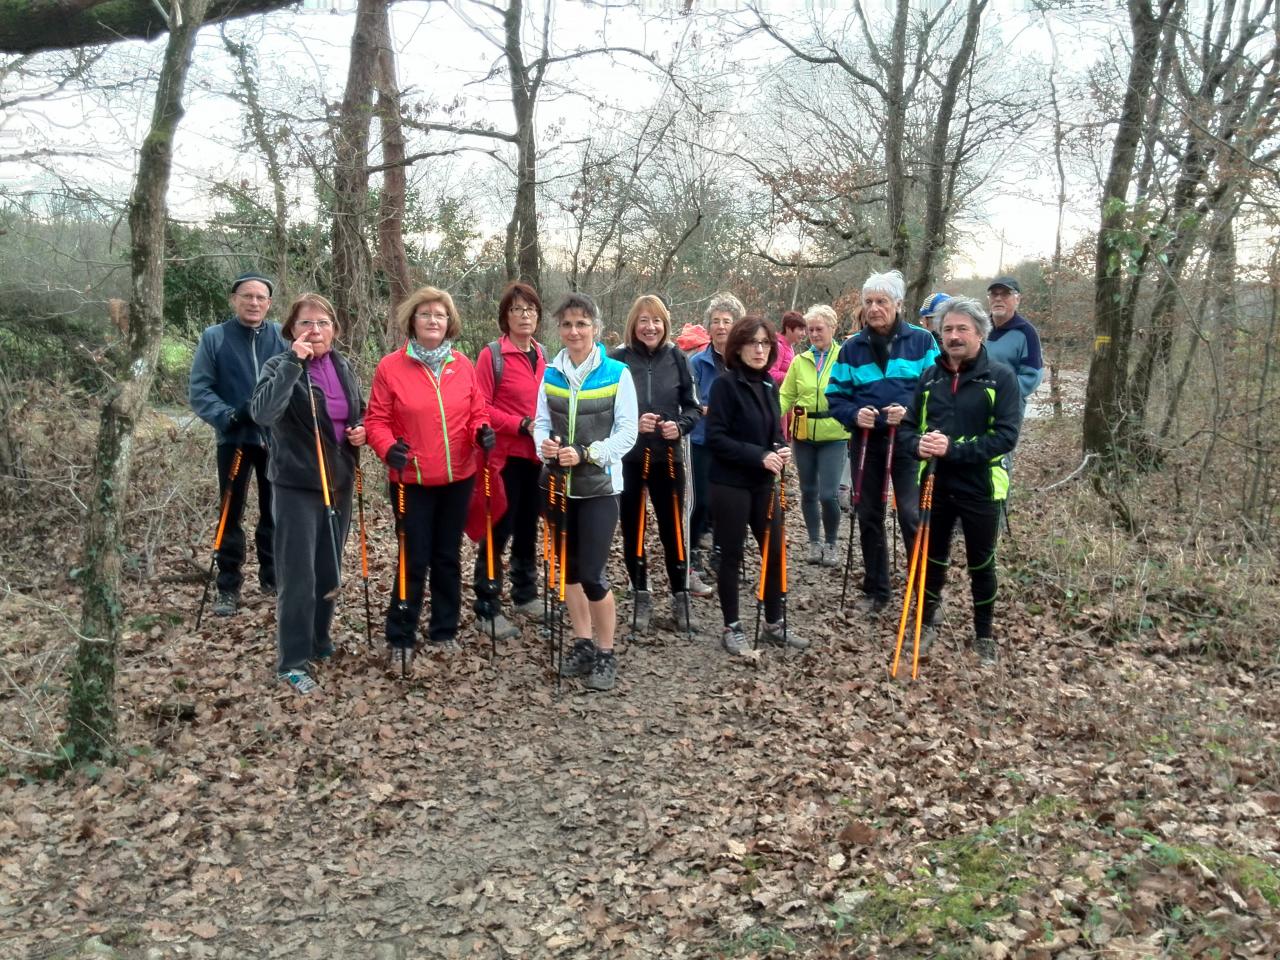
x,y
392,259
91,728
894,134
1106,421
352,268
28,26
524,248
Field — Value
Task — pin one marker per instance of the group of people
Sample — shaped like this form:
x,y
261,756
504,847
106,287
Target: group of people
x,y
590,439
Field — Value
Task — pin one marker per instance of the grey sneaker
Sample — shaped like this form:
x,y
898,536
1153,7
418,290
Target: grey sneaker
x,y
299,681
532,609
831,555
581,660
734,640
642,611
681,608
697,587
603,672
814,553
985,648
400,661
499,627
773,633
227,604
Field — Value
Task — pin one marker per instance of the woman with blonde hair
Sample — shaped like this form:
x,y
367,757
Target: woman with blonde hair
x,y
654,467
428,420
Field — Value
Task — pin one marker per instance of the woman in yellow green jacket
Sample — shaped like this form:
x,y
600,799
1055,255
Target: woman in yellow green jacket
x,y
818,440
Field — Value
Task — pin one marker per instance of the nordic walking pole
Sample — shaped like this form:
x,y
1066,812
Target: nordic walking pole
x,y
488,546
222,527
926,515
764,560
640,525
564,565
549,537
330,513
914,569
364,551
853,519
679,518
885,497
402,559
782,542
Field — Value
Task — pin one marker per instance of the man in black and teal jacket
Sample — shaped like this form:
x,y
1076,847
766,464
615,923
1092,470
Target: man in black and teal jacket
x,y
963,422
870,387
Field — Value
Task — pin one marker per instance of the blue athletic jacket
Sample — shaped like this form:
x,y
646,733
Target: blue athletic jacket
x,y
706,367
1017,345
857,380
227,364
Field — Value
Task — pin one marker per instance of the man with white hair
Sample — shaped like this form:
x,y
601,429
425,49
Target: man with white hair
x,y
964,417
870,387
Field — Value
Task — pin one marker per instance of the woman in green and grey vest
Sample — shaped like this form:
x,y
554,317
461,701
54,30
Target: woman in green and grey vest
x,y
818,441
586,422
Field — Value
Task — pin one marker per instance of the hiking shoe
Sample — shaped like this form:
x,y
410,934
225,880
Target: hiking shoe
x,y
697,587
227,604
603,672
814,553
774,633
498,626
299,681
734,640
681,608
581,659
268,589
830,555
400,661
448,646
642,611
533,609
985,648
869,605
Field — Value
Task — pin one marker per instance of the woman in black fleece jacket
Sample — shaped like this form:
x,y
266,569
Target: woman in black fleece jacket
x,y
744,433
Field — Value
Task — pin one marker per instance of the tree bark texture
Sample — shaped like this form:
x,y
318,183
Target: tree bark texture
x,y
28,26
91,708
524,250
393,262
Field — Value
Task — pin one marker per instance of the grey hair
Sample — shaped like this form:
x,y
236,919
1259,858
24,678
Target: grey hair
x,y
725,302
967,307
821,311
891,283
584,305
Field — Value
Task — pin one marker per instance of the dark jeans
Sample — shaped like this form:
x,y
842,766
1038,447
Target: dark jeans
x,y
700,520
667,497
736,509
980,522
231,552
433,523
519,525
871,508
303,544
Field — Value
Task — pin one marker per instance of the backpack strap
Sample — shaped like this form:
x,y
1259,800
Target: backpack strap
x,y
495,354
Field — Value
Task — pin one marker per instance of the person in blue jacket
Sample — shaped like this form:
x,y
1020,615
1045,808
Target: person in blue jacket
x,y
1013,341
228,361
871,384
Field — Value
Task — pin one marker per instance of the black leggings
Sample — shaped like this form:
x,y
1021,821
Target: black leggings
x,y
980,521
591,523
519,524
700,520
667,497
734,509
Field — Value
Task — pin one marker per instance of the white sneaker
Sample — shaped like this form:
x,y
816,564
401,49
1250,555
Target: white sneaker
x,y
831,555
814,553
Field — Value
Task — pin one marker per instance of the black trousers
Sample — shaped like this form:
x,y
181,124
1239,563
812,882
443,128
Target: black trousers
x,y
302,542
232,551
433,523
667,497
591,522
519,525
700,520
735,510
980,523
871,508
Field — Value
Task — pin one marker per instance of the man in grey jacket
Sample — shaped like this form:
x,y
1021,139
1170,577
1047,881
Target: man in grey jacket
x,y
225,370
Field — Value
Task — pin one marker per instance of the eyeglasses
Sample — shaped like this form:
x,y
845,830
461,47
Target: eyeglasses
x,y
759,344
314,324
523,311
253,297
432,316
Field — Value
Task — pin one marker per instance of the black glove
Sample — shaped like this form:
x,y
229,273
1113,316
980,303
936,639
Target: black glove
x,y
526,426
239,417
398,455
486,439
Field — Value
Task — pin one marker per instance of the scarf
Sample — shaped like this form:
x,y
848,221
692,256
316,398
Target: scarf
x,y
577,375
433,360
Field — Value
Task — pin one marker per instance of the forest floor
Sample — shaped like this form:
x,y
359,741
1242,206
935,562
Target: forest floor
x,y
1110,789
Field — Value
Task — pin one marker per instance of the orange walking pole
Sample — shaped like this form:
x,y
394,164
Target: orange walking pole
x,y
926,508
764,562
222,527
488,546
914,569
364,552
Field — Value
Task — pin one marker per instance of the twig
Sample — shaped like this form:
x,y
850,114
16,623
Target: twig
x,y
1070,476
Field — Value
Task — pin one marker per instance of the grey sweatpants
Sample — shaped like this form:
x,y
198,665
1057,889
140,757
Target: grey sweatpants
x,y
305,573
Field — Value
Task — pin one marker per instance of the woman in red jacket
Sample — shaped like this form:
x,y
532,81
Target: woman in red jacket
x,y
509,371
426,419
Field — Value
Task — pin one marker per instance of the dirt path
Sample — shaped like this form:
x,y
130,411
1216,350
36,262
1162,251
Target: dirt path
x,y
1080,800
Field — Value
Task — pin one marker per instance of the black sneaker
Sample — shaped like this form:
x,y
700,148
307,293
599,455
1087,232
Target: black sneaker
x,y
581,660
603,672
227,604
869,605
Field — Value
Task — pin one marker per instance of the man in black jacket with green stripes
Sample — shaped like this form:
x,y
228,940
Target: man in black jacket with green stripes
x,y
965,417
